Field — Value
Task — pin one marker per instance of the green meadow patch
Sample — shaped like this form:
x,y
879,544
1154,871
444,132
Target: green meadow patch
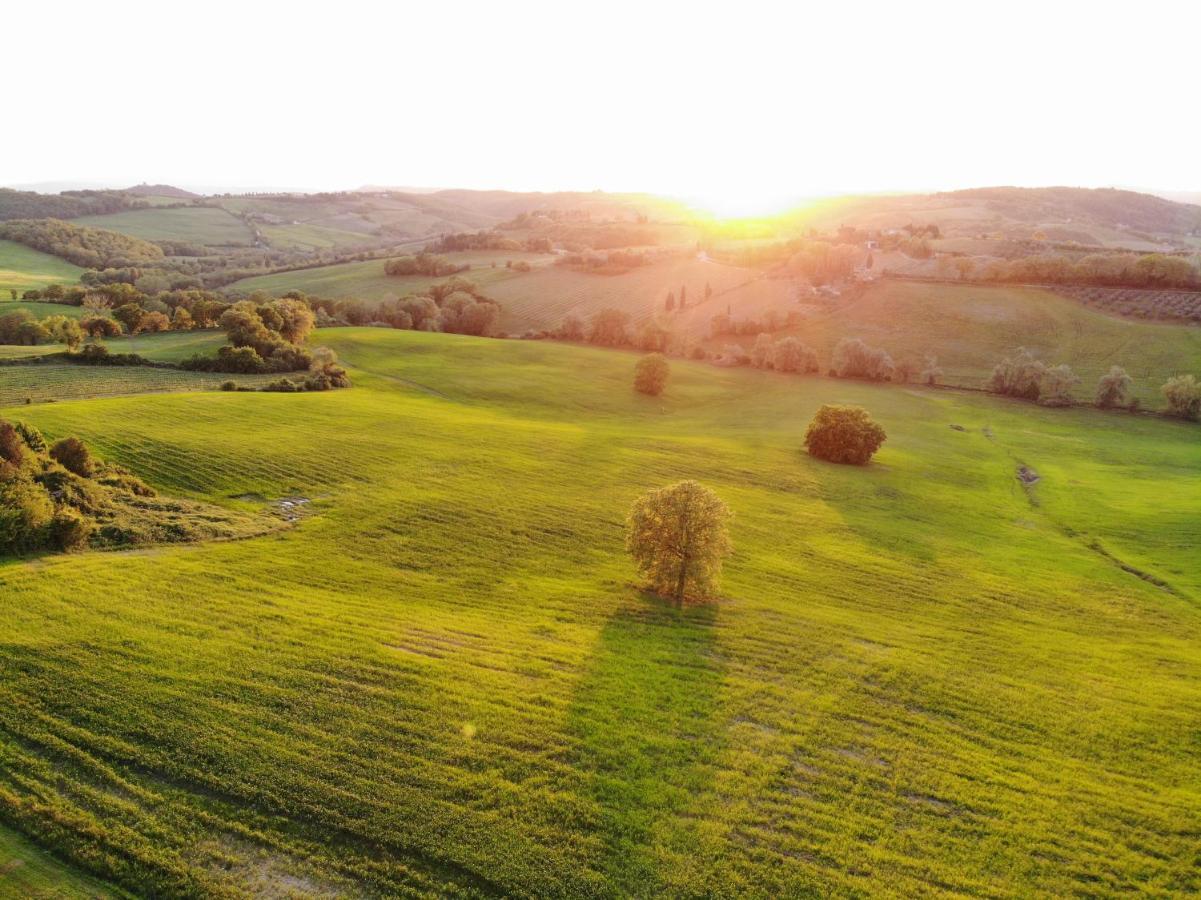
x,y
924,676
22,269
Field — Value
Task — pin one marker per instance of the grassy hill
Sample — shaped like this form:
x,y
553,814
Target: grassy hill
x,y
205,225
971,327
924,677
23,268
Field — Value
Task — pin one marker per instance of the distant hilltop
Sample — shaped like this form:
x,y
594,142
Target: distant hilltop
x,y
160,190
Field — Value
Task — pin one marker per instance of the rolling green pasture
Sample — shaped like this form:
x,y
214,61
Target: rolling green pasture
x,y
970,328
22,268
922,679
211,226
367,281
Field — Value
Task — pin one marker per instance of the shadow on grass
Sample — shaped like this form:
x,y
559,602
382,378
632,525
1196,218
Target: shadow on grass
x,y
645,716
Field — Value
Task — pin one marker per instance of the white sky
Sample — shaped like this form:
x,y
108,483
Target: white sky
x,y
737,104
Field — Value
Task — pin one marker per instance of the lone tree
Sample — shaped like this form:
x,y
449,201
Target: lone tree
x,y
843,434
650,374
678,538
1113,387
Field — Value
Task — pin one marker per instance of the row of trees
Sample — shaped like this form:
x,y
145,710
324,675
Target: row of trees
x,y
22,328
1149,271
428,264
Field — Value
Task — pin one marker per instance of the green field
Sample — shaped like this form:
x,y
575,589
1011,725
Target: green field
x,y
53,381
970,328
210,226
30,873
367,281
168,346
22,268
923,678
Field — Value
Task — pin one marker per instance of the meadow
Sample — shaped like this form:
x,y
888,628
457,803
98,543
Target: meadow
x,y
923,677
207,225
22,268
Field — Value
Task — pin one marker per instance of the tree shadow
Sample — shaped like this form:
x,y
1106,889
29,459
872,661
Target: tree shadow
x,y
644,716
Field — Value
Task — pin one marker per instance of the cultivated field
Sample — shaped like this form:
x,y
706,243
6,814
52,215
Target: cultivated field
x,y
22,268
367,281
971,327
924,677
210,226
52,381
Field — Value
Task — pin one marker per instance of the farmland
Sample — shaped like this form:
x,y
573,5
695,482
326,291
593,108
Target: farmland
x,y
969,328
54,381
209,226
367,281
22,268
923,676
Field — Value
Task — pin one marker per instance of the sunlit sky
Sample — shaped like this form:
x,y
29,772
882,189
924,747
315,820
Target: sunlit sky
x,y
738,106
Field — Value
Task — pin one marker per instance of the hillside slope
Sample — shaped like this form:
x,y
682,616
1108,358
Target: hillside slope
x,y
923,677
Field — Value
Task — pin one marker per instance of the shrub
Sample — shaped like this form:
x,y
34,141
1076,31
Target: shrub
x,y
1020,375
74,456
99,326
608,328
32,437
650,374
1113,387
855,359
229,385
790,355
1057,384
931,373
12,445
761,352
571,329
1183,394
678,537
69,530
25,512
843,434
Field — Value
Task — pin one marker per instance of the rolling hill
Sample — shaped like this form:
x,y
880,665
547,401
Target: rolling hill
x,y
206,225
923,676
1097,217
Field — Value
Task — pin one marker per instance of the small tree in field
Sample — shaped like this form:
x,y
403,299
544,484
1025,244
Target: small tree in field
x,y
1183,394
843,434
678,538
1113,387
650,374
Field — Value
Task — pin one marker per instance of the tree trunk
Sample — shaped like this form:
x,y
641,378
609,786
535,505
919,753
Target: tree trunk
x,y
680,581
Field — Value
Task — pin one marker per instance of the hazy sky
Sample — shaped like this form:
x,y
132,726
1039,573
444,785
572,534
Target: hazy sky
x,y
735,104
